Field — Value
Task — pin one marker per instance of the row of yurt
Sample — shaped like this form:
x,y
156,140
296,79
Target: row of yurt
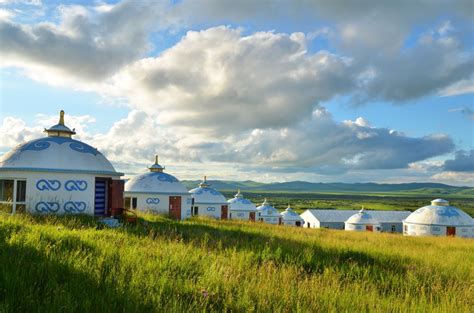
x,y
57,174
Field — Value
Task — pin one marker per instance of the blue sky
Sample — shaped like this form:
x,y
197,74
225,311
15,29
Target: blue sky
x,y
268,91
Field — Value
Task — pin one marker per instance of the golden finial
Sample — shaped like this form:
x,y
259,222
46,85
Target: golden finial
x,y
156,159
205,178
61,117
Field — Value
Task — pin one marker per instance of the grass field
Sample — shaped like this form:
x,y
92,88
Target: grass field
x,y
63,264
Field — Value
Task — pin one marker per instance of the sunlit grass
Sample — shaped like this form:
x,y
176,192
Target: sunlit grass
x,y
52,264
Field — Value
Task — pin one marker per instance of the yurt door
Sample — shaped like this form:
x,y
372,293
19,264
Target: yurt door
x,y
369,228
252,216
100,201
175,208
451,231
224,211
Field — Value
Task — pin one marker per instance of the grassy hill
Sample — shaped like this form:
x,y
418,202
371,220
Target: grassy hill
x,y
52,264
356,188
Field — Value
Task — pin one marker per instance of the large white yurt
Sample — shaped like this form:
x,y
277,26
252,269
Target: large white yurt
x,y
291,218
57,175
268,214
206,201
241,208
439,219
158,192
362,221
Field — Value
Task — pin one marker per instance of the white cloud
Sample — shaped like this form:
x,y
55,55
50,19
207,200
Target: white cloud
x,y
6,14
319,145
219,81
455,178
461,87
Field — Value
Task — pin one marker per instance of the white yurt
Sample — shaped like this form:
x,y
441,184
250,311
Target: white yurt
x,y
57,175
268,214
158,192
207,201
291,218
362,221
439,219
241,208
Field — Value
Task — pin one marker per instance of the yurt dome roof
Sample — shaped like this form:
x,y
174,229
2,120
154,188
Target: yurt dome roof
x,y
155,181
290,215
362,218
57,152
205,194
440,213
239,203
266,209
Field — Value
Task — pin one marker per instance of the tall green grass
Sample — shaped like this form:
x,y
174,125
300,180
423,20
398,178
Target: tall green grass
x,y
63,264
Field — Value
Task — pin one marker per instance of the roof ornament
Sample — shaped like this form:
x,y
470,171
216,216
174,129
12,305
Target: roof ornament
x,y
238,194
61,118
156,167
60,129
204,183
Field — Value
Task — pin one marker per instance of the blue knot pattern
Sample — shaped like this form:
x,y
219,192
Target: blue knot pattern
x,y
48,184
75,185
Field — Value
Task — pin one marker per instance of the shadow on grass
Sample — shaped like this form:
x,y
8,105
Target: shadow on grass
x,y
387,273
33,280
310,257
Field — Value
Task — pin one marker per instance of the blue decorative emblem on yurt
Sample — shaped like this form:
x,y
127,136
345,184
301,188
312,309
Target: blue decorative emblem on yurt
x,y
48,184
75,185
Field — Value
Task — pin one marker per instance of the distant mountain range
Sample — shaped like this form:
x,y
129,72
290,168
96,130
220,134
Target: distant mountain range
x,y
302,186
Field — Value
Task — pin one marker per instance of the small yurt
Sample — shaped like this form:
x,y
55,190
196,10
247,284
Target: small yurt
x,y
207,201
291,218
57,175
268,214
241,208
362,221
158,192
439,219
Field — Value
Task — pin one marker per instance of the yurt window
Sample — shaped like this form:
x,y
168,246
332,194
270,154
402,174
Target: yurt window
x,y
6,195
20,205
436,229
12,195
130,202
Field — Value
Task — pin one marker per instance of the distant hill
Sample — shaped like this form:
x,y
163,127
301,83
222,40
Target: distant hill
x,y
302,186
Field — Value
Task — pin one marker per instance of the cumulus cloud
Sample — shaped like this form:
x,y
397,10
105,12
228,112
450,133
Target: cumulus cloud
x,y
14,131
221,81
463,162
225,96
86,44
318,145
323,145
90,44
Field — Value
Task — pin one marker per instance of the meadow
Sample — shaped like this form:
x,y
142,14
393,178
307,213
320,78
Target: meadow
x,y
74,264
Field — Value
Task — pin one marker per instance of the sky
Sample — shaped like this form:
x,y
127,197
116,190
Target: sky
x,y
320,91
